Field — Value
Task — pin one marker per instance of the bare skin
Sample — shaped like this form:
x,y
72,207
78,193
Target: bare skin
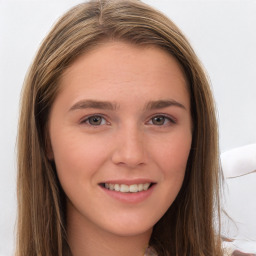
x,y
121,119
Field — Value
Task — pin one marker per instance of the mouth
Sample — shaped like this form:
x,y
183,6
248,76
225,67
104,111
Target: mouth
x,y
124,188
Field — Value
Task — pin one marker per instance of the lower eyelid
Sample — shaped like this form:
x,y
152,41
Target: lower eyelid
x,y
85,120
170,119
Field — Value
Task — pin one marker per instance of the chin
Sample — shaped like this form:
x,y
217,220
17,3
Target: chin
x,y
130,228
131,232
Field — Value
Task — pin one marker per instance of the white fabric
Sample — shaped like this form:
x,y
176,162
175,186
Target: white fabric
x,y
239,161
239,199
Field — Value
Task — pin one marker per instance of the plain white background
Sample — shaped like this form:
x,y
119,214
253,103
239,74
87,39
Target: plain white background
x,y
222,32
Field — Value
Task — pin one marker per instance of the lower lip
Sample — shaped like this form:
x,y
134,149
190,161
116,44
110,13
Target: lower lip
x,y
132,198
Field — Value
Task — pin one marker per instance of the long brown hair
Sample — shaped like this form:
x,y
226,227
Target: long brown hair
x,y
190,226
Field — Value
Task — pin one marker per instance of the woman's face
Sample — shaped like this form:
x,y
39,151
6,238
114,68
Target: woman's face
x,y
120,133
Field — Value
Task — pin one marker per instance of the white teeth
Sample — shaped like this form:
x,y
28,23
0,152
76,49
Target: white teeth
x,y
134,188
145,186
126,188
140,187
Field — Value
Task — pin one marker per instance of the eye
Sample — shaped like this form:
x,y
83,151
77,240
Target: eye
x,y
161,120
95,120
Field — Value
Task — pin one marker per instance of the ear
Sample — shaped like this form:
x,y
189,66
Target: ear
x,y
48,146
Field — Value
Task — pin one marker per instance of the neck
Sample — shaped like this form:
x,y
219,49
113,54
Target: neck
x,y
88,239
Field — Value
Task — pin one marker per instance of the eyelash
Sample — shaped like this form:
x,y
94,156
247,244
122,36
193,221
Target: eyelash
x,y
166,119
87,120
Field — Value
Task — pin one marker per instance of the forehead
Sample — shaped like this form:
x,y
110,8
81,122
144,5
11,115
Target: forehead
x,y
124,54
116,66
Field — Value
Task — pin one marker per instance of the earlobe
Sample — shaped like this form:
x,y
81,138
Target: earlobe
x,y
49,154
48,147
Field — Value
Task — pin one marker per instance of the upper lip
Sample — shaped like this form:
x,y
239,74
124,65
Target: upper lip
x,y
129,182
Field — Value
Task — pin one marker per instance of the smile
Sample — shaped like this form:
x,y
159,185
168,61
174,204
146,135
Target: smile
x,y
128,191
134,188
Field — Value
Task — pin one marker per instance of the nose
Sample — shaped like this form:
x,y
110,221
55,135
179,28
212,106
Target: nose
x,y
129,149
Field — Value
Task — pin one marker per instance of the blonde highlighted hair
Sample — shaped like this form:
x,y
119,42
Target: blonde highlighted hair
x,y
188,227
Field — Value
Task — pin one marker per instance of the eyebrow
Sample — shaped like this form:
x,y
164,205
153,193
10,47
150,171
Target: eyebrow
x,y
158,104
83,104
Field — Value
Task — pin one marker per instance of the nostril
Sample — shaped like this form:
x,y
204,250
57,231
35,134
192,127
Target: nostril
x,y
129,148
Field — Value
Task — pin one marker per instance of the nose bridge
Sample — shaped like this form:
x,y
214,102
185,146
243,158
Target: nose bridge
x,y
129,146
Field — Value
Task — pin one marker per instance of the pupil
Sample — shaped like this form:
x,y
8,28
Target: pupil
x,y
95,120
158,120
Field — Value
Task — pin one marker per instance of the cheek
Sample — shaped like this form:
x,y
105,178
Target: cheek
x,y
77,156
173,154
172,160
76,161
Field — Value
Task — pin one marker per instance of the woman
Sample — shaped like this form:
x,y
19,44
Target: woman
x,y
117,147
